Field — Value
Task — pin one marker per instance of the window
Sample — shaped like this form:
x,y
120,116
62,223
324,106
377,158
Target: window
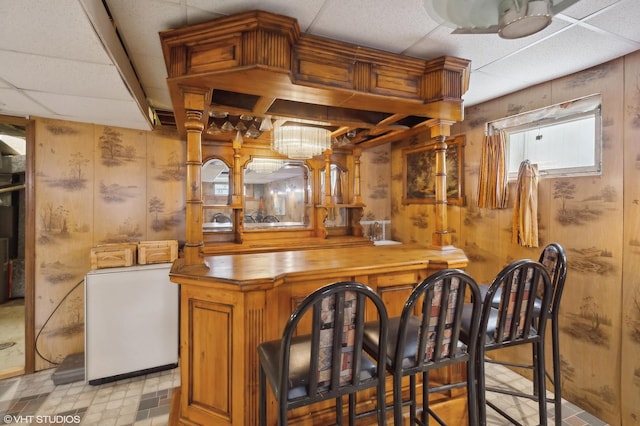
x,y
220,189
563,139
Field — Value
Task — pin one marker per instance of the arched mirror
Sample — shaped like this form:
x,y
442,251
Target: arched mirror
x,y
216,189
276,194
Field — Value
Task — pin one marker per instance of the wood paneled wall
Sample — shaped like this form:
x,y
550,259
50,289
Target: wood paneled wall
x,y
94,185
600,229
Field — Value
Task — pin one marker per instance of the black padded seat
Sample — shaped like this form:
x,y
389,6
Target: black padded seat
x,y
371,339
466,324
299,353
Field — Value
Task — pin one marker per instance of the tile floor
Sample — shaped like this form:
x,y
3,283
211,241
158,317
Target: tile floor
x,y
145,400
11,337
526,410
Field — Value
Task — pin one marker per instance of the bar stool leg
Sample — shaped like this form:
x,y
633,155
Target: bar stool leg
x,y
557,376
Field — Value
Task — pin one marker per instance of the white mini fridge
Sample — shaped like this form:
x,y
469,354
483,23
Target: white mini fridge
x,y
131,322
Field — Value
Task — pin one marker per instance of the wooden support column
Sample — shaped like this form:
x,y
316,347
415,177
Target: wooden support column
x,y
194,105
441,238
357,197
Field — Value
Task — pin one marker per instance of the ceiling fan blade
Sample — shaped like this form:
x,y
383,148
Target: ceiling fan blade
x,y
476,30
509,18
560,5
463,13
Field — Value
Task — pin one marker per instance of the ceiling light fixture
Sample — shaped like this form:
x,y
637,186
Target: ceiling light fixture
x,y
300,142
265,165
265,124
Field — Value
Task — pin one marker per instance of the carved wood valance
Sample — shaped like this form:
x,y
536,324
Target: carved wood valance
x,y
260,64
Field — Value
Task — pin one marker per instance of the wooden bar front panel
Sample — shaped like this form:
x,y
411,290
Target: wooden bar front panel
x,y
211,322
244,300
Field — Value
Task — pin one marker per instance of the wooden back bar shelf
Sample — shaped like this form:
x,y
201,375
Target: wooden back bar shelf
x,y
245,299
239,282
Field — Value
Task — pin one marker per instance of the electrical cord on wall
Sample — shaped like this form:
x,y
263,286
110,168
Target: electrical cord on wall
x,y
49,318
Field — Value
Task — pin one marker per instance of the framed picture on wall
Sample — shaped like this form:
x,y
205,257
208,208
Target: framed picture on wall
x,y
419,177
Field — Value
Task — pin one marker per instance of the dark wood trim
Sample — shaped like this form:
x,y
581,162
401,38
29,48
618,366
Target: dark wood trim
x,y
29,247
29,243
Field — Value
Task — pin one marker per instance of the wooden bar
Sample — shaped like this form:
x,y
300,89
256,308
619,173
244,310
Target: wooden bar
x,y
238,292
242,300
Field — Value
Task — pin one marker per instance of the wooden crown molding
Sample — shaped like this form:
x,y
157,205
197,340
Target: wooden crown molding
x,y
261,63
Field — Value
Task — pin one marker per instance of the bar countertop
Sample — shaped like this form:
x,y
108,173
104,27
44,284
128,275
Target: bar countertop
x,y
247,271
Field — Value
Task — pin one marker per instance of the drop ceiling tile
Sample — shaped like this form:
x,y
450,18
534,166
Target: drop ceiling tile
x,y
56,29
371,23
619,20
14,102
151,70
48,74
197,16
141,35
484,86
304,11
551,58
584,8
99,111
480,49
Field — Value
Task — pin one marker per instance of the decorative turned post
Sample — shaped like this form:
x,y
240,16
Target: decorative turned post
x,y
327,178
357,197
194,239
441,238
305,218
236,198
238,189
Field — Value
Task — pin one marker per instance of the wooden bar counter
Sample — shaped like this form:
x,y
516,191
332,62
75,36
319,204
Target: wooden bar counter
x,y
241,300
